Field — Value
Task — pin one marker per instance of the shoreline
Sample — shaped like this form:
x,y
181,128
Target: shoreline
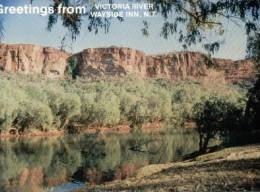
x,y
195,174
117,129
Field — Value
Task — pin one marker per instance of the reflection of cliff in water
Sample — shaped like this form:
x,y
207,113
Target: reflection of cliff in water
x,y
35,164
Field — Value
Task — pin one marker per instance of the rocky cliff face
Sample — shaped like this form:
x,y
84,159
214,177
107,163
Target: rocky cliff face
x,y
235,71
180,65
122,61
111,61
115,61
32,59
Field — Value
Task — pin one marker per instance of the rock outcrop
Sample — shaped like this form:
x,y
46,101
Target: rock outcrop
x,y
115,61
179,65
32,59
112,61
235,71
119,61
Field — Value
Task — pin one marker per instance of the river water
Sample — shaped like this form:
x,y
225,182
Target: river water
x,y
62,164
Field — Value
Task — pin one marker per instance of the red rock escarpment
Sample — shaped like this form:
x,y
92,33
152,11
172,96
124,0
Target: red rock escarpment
x,y
115,61
235,71
119,61
32,59
111,61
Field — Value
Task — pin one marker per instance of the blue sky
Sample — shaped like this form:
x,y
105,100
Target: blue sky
x,y
31,29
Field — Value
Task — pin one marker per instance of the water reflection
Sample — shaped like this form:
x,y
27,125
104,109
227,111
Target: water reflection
x,y
38,164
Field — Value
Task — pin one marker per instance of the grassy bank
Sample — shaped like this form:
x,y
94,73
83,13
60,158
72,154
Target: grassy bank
x,y
230,169
31,103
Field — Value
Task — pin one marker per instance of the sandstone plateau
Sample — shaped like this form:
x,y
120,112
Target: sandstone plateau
x,y
119,61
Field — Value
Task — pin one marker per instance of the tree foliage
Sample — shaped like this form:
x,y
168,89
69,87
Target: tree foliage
x,y
75,22
252,113
190,20
216,116
29,103
33,115
253,105
253,45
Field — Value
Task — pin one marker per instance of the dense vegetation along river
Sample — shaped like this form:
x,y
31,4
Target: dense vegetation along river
x,y
65,163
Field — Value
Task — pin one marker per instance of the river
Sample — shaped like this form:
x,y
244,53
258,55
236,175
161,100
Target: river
x,y
61,164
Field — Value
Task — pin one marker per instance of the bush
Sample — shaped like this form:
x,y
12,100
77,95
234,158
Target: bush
x,y
138,114
252,114
103,102
216,115
87,108
64,106
33,115
127,101
10,96
184,96
106,109
8,109
159,105
72,67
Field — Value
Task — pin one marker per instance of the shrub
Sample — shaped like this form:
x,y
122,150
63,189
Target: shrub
x,y
216,115
87,108
33,115
138,115
127,101
106,109
64,106
159,105
184,96
10,96
252,114
72,67
8,108
104,101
